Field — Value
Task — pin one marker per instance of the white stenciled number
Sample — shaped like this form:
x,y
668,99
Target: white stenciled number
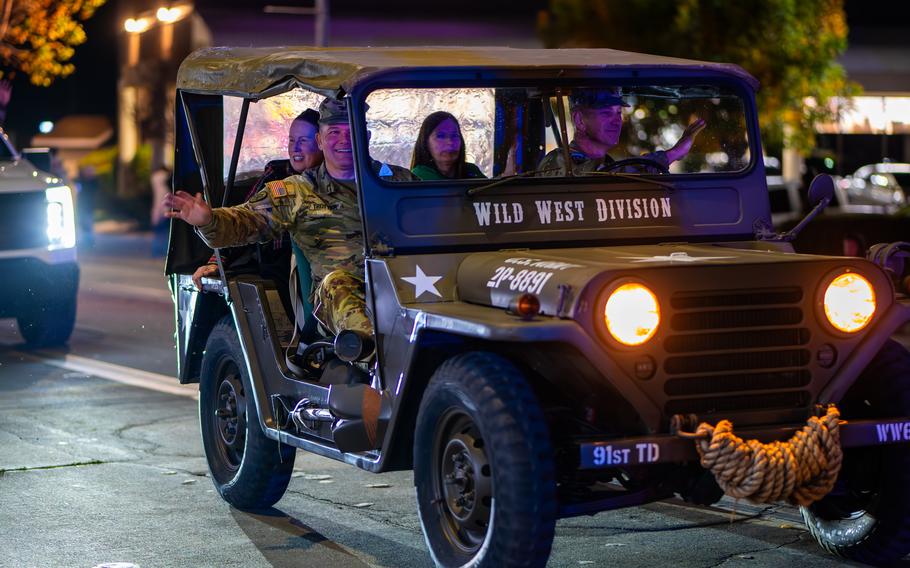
x,y
494,281
520,281
538,282
525,280
600,455
502,273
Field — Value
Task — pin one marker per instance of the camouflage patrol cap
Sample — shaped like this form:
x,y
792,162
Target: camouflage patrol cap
x,y
596,98
333,111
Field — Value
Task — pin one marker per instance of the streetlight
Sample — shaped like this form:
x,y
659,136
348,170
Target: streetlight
x,y
136,25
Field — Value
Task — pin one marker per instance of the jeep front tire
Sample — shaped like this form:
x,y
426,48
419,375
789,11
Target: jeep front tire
x,y
483,467
866,517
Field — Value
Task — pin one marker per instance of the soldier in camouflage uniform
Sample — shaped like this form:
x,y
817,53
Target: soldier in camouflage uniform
x,y
596,115
303,154
319,210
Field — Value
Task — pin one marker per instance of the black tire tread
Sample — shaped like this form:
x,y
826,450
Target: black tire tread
x,y
266,468
885,382
520,452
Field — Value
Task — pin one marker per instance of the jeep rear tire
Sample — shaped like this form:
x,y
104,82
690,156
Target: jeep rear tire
x,y
483,467
250,471
866,517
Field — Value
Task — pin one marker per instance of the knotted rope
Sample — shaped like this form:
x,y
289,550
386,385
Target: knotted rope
x,y
800,470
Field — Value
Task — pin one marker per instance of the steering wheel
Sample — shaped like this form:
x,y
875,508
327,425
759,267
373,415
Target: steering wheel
x,y
640,162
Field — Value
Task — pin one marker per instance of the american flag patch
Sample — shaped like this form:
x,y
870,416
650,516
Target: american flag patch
x,y
278,190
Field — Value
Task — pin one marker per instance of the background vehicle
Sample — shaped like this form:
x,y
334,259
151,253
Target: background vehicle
x,y
880,188
505,375
37,250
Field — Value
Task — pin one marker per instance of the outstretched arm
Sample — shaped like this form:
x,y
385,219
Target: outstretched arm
x,y
684,144
190,208
257,220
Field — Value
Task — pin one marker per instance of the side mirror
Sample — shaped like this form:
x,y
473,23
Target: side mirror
x,y
821,189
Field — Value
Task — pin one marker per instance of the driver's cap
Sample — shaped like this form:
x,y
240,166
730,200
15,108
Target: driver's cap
x,y
333,111
596,98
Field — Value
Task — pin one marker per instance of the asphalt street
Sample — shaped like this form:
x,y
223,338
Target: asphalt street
x,y
101,462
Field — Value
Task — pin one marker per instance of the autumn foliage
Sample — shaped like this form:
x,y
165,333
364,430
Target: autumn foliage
x,y
38,37
790,46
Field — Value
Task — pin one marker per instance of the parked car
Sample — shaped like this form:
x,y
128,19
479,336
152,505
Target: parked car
x,y
543,343
37,250
784,196
878,188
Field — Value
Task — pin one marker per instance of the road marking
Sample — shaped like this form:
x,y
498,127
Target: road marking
x,y
117,373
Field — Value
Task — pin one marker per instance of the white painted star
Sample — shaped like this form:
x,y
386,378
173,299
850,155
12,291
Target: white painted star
x,y
423,283
675,257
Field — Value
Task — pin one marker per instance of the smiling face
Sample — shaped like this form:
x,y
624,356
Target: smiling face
x,y
303,151
600,125
335,142
444,144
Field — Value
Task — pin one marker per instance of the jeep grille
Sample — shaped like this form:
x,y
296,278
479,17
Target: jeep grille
x,y
23,220
733,351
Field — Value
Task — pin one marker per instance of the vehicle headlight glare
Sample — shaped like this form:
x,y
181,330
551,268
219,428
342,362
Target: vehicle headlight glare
x,y
61,219
849,302
632,314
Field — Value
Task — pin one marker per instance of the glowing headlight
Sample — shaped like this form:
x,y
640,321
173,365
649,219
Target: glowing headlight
x,y
849,302
632,314
61,221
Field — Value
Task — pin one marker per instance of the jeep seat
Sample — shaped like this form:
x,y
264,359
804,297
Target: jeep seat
x,y
303,307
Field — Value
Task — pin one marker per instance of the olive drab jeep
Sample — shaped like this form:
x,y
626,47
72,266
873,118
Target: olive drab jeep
x,y
549,341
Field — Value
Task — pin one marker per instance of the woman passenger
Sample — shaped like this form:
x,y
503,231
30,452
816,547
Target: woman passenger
x,y
439,150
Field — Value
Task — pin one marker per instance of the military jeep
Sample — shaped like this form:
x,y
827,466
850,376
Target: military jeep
x,y
543,339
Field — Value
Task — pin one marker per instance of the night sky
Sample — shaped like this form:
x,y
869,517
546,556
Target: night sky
x,y
92,88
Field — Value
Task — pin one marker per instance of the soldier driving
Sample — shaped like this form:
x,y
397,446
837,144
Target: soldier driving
x,y
318,208
596,115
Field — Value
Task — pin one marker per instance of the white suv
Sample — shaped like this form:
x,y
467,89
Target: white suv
x,y
38,269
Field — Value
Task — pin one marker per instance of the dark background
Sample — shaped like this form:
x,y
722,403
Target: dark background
x,y
92,88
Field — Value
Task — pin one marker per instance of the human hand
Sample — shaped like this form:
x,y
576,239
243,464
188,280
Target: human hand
x,y
204,271
191,208
684,144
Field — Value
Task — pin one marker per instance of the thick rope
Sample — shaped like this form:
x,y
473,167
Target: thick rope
x,y
800,470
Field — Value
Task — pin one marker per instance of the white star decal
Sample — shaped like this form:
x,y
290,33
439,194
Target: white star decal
x,y
674,257
423,283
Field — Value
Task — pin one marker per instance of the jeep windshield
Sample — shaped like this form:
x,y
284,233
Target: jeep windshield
x,y
482,133
677,161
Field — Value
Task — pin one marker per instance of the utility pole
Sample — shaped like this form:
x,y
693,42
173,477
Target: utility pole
x,y
320,11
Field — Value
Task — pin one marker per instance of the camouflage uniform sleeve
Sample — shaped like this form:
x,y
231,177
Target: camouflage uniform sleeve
x,y
264,217
553,162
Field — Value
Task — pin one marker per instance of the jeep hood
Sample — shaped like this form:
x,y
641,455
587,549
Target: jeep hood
x,y
20,176
559,277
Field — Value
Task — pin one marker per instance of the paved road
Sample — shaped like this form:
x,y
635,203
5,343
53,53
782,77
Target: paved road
x,y
100,461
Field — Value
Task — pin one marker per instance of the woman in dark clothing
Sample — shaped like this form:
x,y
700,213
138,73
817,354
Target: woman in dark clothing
x,y
439,150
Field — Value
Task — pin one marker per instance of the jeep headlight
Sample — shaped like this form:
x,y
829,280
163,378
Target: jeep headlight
x,y
632,314
61,220
849,302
